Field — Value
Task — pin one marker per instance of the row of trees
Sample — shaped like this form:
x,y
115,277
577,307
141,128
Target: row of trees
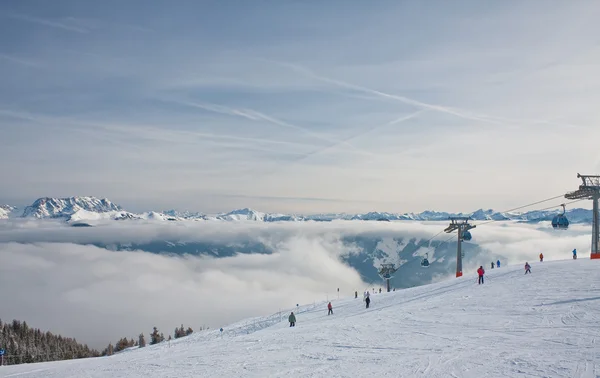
x,y
155,338
23,344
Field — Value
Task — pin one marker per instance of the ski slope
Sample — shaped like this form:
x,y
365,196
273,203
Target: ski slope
x,y
546,324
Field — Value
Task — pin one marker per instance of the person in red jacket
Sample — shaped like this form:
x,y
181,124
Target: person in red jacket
x,y
480,272
330,308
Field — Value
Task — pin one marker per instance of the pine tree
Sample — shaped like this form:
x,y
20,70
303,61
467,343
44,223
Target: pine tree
x,y
155,337
142,340
189,331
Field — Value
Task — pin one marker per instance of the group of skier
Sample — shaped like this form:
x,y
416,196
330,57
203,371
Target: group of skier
x,y
480,274
481,271
366,299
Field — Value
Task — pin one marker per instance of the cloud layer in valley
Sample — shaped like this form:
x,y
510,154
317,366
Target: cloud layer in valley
x,y
98,296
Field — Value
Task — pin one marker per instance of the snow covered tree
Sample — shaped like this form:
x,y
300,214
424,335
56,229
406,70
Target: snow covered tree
x,y
141,340
24,344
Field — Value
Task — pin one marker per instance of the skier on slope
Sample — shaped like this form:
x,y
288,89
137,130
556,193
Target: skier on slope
x,y
527,268
330,308
492,265
575,254
480,273
541,257
498,263
355,294
367,298
292,319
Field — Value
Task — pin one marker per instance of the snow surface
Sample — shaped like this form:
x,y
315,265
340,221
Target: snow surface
x,y
539,325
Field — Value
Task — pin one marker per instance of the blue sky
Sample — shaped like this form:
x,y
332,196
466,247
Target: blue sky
x,y
299,106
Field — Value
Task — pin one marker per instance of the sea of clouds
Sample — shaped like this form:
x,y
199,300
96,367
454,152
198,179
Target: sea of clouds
x,y
52,276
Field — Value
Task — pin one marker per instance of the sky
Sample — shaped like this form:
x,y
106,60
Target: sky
x,y
60,281
298,106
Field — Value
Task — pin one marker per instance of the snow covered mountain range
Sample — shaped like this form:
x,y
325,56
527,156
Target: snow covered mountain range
x,y
81,209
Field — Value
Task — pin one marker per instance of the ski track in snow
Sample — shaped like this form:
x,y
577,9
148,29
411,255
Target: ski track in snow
x,y
539,325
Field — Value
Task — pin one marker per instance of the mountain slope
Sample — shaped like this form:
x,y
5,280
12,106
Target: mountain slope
x,y
65,207
544,325
5,210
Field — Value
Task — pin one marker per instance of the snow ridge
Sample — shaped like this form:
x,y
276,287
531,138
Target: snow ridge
x,y
64,207
5,210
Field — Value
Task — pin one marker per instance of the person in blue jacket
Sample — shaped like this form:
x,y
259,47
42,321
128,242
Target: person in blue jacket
x,y
498,264
575,254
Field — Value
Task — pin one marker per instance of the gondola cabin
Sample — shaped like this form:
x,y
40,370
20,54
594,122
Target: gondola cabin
x,y
466,236
425,261
560,221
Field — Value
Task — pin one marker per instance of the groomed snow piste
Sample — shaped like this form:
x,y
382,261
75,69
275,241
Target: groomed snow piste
x,y
546,324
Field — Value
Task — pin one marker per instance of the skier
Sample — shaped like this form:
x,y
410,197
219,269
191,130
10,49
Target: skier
x,y
367,298
330,308
379,290
355,294
498,264
492,265
527,268
575,254
292,319
480,273
541,257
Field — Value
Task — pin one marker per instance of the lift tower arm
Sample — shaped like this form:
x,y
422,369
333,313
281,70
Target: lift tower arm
x,y
590,189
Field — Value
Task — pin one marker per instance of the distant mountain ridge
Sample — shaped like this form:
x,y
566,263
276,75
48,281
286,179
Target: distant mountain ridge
x,y
62,207
82,209
5,210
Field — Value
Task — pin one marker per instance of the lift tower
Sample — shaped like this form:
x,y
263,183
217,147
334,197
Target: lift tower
x,y
590,189
461,224
386,272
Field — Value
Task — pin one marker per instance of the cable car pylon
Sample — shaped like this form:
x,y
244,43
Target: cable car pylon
x,y
386,272
462,225
590,189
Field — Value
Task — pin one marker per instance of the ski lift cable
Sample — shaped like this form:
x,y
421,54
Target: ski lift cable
x,y
535,203
506,211
433,237
546,208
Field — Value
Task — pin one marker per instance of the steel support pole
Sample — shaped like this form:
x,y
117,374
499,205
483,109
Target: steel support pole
x,y
459,253
595,253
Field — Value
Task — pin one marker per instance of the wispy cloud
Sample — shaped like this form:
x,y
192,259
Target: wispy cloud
x,y
406,100
228,108
259,116
64,25
18,60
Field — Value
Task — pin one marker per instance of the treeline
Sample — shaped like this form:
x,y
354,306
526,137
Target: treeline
x,y
23,344
155,338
